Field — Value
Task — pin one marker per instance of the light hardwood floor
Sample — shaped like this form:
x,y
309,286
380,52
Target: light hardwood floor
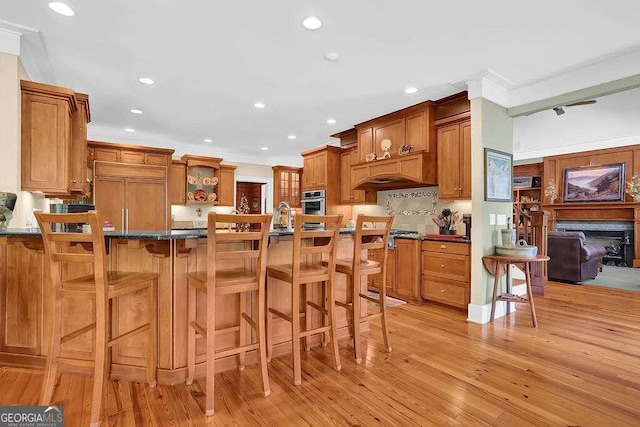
x,y
580,367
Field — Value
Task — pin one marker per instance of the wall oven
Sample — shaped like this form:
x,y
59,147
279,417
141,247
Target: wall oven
x,y
314,203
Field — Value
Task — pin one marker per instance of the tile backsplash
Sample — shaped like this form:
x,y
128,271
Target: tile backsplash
x,y
414,209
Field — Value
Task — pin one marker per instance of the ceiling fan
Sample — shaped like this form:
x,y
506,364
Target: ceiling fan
x,y
560,108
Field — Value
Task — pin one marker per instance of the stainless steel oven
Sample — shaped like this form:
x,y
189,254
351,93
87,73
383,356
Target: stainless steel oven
x,y
314,202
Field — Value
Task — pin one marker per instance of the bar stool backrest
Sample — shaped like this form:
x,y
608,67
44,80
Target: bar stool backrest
x,y
325,242
251,245
57,246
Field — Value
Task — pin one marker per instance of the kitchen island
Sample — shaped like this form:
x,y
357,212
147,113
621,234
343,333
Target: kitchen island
x,y
25,296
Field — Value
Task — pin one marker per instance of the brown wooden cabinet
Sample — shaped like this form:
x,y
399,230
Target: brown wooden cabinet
x,y
227,186
365,142
454,161
446,272
178,183
286,185
132,197
347,194
321,169
132,154
403,271
77,165
47,118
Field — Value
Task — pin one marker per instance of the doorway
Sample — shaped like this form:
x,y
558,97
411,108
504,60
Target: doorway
x,y
252,191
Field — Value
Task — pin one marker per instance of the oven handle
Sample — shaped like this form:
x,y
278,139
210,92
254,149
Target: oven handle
x,y
315,199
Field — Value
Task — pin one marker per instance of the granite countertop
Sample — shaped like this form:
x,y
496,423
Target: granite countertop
x,y
147,234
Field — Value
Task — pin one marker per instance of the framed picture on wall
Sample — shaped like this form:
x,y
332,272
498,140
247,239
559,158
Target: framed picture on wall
x,y
603,183
498,176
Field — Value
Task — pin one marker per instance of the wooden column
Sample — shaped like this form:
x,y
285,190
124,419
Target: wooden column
x,y
539,229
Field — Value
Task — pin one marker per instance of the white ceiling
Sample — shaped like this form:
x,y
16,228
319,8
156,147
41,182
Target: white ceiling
x,y
212,60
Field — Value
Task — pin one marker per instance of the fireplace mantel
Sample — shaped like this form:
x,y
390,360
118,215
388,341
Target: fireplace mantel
x,y
599,212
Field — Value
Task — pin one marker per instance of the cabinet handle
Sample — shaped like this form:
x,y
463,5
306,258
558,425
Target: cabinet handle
x,y
443,247
441,265
442,290
122,219
74,181
127,220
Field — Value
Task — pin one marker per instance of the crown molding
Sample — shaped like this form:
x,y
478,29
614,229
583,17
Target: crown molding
x,y
9,42
30,49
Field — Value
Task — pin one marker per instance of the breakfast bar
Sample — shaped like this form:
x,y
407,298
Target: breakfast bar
x,y
25,301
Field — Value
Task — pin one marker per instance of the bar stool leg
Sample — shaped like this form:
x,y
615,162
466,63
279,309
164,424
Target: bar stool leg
x,y
325,305
152,339
100,370
211,351
383,309
534,319
295,333
259,309
54,348
307,292
332,322
243,330
269,326
355,318
191,334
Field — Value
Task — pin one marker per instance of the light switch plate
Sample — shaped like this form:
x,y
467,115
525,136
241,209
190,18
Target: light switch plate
x,y
492,219
502,219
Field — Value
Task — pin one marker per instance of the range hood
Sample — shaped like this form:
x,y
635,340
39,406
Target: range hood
x,y
407,171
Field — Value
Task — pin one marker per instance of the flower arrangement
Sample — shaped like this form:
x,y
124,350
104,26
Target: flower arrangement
x,y
550,190
633,187
446,219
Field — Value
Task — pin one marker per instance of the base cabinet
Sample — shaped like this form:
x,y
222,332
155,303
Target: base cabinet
x,y
446,273
403,271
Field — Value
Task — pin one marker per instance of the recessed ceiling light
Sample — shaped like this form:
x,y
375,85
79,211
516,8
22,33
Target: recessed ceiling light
x,y
146,80
259,105
332,56
129,130
312,23
292,137
208,140
264,148
61,8
410,90
331,121
136,111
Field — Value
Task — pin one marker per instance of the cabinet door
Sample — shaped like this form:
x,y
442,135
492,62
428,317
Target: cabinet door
x,y
448,161
146,204
320,170
408,272
78,154
393,130
345,178
465,160
109,198
178,183
308,175
156,159
46,133
136,157
106,154
365,143
417,131
226,187
294,195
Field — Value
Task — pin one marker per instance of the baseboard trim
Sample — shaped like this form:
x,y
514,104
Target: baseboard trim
x,y
482,313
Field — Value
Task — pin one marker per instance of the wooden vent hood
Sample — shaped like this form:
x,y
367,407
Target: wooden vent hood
x,y
410,170
410,126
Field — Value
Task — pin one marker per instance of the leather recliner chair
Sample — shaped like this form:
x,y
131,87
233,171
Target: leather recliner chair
x,y
572,259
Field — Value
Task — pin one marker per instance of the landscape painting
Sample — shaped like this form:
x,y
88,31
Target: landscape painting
x,y
603,183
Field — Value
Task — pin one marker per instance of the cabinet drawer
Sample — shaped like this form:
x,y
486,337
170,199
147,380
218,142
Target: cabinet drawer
x,y
446,247
454,267
451,293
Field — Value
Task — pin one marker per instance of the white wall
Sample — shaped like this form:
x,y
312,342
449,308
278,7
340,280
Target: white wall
x,y
613,121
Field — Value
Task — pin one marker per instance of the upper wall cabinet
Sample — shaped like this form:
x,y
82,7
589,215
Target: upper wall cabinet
x,y
133,154
454,161
207,181
286,185
321,170
410,126
178,183
78,182
51,129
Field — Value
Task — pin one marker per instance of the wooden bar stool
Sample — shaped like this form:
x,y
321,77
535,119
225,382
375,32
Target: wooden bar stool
x,y
236,264
357,268
102,287
309,249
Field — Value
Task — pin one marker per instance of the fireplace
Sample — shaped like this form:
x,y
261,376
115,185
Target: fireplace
x,y
615,236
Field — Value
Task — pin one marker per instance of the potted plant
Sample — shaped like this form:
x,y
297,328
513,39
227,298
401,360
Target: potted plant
x,y
633,188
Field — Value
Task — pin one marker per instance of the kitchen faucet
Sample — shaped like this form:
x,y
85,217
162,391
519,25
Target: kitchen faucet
x,y
277,220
